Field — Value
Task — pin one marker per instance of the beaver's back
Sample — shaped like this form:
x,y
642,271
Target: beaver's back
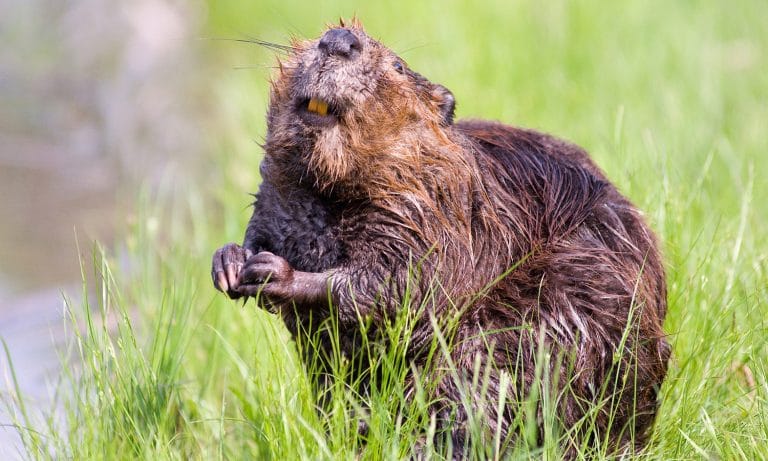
x,y
590,272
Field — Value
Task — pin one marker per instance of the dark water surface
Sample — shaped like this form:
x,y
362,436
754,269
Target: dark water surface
x,y
96,98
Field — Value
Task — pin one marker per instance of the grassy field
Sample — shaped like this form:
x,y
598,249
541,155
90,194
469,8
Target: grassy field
x,y
671,99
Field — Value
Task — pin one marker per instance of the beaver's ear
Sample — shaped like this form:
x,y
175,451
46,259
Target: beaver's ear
x,y
445,102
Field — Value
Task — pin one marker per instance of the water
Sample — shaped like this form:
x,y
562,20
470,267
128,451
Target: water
x,y
96,97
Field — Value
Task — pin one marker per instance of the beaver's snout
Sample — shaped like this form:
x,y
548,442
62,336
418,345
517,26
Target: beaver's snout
x,y
340,42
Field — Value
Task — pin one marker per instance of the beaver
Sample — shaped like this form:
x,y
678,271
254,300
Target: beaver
x,y
374,200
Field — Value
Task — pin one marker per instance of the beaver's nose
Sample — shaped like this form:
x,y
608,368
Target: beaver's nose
x,y
339,42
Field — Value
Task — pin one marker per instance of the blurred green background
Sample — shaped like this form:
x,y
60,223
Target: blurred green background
x,y
106,106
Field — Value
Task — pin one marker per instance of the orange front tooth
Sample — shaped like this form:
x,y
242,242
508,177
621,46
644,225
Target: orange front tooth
x,y
322,108
317,106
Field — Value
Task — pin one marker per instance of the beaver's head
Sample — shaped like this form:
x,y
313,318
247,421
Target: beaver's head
x,y
344,104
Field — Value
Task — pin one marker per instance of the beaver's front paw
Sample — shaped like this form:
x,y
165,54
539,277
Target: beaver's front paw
x,y
269,275
228,262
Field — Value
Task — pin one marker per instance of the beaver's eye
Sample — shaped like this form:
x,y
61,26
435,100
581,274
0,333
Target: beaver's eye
x,y
398,66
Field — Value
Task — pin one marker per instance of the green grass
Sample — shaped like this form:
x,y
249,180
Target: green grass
x,y
669,97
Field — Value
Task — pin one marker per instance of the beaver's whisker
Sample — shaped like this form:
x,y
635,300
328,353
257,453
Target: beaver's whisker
x,y
272,45
261,66
264,43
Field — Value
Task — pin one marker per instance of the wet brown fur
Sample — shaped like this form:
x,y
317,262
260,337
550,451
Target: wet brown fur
x,y
529,242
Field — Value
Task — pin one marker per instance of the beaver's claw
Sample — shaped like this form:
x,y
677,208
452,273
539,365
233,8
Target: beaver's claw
x,y
267,274
228,262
